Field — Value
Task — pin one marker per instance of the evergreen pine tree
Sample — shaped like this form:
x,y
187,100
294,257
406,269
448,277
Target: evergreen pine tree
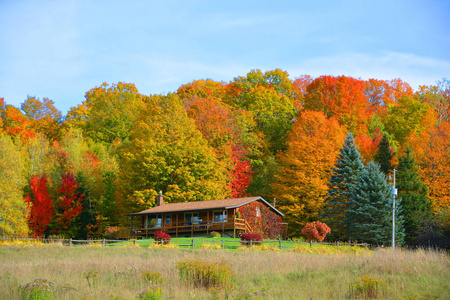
x,y
370,211
413,192
384,155
343,180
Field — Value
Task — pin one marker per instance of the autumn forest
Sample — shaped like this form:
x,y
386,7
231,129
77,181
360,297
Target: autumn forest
x,y
262,134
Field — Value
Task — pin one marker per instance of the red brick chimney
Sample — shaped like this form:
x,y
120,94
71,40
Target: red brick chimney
x,y
159,199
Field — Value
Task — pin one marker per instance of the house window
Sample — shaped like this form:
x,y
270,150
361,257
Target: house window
x,y
168,220
154,221
218,216
258,212
191,218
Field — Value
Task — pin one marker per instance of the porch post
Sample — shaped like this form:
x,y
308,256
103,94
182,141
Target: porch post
x,y
131,227
223,222
234,223
176,228
207,222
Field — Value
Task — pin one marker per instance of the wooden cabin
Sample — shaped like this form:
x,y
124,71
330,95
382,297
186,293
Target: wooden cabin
x,y
230,217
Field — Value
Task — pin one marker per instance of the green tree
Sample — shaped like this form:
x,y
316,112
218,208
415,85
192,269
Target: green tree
x,y
13,209
369,215
384,155
414,195
405,117
343,179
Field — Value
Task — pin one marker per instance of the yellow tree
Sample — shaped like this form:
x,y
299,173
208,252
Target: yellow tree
x,y
305,168
13,210
44,115
111,111
167,153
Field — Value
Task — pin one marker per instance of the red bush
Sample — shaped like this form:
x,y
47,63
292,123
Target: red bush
x,y
162,236
247,237
316,231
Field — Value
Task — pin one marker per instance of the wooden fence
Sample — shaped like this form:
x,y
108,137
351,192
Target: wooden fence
x,y
186,243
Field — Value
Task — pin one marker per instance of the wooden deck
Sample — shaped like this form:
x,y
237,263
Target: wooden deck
x,y
236,225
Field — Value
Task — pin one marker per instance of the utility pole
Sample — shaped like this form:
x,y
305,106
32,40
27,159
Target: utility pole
x,y
394,194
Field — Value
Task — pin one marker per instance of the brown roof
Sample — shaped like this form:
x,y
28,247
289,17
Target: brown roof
x,y
203,205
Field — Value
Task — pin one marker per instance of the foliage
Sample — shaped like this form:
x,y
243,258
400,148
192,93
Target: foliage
x,y
434,231
316,231
152,293
340,97
331,250
13,210
40,204
369,213
206,274
153,277
404,118
214,234
384,155
413,192
262,219
38,289
44,116
167,153
365,287
69,202
305,168
14,123
161,236
343,180
111,111
433,158
246,238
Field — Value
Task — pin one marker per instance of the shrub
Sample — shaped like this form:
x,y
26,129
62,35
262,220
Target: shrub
x,y
198,273
39,288
246,238
152,293
316,231
214,234
163,237
153,277
365,287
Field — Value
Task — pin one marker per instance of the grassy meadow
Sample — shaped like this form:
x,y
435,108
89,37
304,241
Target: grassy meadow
x,y
130,272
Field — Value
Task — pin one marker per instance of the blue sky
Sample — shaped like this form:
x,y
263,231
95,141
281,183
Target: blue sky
x,y
62,49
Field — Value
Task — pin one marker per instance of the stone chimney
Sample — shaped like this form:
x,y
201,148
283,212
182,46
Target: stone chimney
x,y
159,199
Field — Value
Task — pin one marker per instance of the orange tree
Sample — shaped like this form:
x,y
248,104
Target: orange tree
x,y
305,168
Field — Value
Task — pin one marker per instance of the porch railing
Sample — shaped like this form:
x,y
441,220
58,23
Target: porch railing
x,y
234,224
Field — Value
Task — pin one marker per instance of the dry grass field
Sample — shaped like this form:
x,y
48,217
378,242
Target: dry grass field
x,y
129,272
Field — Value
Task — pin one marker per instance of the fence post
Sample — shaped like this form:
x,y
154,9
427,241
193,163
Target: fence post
x,y
251,243
70,242
134,241
103,243
280,243
192,243
223,244
310,243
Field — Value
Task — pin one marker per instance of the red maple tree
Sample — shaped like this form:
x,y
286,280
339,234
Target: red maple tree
x,y
71,200
40,204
